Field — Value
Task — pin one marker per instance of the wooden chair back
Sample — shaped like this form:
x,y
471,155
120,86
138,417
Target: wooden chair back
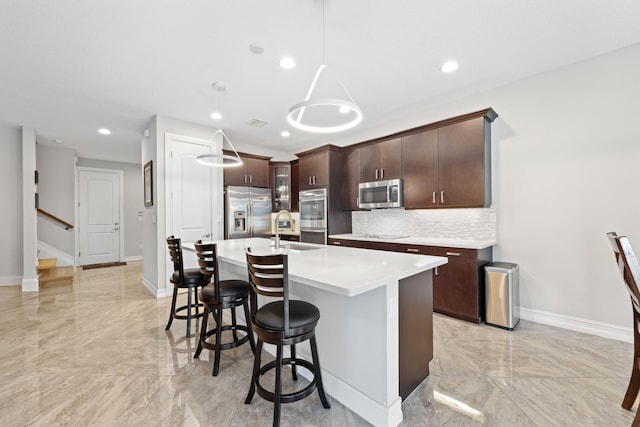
x,y
175,252
628,265
208,261
268,276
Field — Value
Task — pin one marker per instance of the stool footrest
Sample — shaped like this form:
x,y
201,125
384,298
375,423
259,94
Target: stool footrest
x,y
286,397
225,346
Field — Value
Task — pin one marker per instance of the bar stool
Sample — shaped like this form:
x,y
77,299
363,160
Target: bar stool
x,y
282,322
182,278
216,296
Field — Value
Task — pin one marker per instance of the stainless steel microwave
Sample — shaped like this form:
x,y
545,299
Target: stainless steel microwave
x,y
380,194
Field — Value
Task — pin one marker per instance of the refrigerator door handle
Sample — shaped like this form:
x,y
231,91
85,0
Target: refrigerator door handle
x,y
250,219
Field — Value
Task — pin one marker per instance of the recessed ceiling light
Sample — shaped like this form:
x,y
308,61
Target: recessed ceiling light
x,y
287,63
216,115
449,67
104,131
58,141
285,134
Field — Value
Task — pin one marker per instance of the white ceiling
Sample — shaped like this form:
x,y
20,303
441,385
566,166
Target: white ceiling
x,y
69,67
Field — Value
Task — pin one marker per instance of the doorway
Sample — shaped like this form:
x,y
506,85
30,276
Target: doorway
x,y
100,215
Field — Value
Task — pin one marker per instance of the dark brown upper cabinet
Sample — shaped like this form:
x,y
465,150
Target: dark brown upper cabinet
x,y
314,170
449,166
420,169
350,179
381,161
253,172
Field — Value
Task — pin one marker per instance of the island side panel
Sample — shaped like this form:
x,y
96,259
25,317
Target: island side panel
x,y
357,344
416,330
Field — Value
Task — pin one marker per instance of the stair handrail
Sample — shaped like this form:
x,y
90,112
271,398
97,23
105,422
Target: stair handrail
x,y
55,218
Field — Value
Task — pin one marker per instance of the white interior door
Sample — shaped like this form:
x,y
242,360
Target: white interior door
x,y
191,190
99,212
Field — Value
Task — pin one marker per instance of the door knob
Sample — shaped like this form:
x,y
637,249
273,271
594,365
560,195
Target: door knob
x,y
207,235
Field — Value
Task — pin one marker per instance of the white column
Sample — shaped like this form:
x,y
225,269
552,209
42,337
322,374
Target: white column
x,y
29,222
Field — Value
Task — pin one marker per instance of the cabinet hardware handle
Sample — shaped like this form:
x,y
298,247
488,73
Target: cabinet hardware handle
x,y
376,173
436,271
434,197
414,250
250,179
337,243
442,197
309,180
245,179
453,253
381,173
314,180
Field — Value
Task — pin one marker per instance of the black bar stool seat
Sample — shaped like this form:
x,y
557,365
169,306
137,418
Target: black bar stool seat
x,y
284,322
183,278
217,296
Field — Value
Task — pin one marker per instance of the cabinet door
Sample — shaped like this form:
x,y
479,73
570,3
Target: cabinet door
x,y
295,185
420,170
258,171
280,183
456,285
461,165
314,170
236,175
390,159
350,180
368,163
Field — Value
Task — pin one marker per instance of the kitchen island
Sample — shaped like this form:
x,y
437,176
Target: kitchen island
x,y
375,334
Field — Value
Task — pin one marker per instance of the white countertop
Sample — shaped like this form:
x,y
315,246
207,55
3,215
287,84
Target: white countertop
x,y
345,271
426,241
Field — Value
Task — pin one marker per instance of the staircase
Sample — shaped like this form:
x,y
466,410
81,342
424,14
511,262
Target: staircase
x,y
48,272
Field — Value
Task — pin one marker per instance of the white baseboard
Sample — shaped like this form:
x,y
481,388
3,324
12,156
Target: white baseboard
x,y
10,280
133,258
158,293
47,251
30,285
577,324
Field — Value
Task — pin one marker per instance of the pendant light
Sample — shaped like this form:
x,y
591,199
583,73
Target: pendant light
x,y
344,109
221,160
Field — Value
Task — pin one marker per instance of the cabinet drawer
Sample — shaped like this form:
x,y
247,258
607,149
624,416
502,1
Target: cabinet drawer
x,y
457,253
415,249
363,244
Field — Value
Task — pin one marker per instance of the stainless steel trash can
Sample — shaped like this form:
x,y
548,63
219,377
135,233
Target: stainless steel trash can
x,y
502,294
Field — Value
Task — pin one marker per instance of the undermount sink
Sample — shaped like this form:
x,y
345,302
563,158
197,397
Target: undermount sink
x,y
297,246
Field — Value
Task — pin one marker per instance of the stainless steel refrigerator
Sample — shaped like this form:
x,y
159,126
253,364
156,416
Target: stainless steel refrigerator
x,y
247,212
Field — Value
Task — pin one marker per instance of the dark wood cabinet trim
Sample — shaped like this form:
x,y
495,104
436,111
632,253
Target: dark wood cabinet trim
x,y
488,113
253,156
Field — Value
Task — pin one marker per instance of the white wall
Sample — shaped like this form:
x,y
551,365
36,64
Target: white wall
x,y
133,202
155,229
566,168
11,196
56,166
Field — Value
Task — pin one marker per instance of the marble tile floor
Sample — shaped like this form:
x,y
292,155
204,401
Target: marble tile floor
x,y
95,352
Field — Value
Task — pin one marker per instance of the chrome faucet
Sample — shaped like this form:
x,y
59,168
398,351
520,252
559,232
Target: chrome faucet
x,y
277,221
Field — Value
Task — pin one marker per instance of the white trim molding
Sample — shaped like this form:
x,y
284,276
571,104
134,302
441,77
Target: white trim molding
x,y
586,326
10,280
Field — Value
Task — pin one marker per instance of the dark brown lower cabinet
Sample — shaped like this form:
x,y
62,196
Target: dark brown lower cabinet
x,y
458,286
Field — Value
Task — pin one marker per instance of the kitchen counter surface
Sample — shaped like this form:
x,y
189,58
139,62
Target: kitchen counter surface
x,y
426,241
344,271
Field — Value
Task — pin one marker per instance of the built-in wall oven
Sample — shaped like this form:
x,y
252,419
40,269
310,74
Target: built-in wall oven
x,y
313,216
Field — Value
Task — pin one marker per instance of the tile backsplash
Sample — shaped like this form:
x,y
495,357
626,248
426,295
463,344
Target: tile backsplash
x,y
465,224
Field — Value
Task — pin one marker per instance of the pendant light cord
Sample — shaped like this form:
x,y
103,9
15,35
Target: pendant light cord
x,y
323,43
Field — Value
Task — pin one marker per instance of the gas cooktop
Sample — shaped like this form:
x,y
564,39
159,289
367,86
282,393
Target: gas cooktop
x,y
381,236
